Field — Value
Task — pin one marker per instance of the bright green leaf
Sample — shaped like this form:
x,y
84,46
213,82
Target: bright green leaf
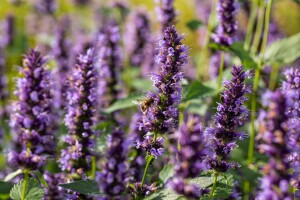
x,y
166,173
194,24
123,103
88,187
284,51
203,181
33,190
247,61
196,90
12,175
165,194
224,187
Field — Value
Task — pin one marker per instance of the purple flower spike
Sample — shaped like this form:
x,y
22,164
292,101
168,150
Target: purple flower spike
x,y
231,114
54,192
226,12
138,35
8,26
80,118
291,90
274,139
46,6
166,13
61,51
160,108
138,190
110,64
152,147
32,117
114,176
190,158
3,85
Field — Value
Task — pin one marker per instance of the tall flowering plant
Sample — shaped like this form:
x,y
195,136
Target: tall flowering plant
x,y
32,116
80,118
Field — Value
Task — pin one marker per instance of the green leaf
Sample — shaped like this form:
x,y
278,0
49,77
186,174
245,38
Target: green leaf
x,y
13,175
165,194
41,178
297,1
194,24
88,187
224,187
33,190
5,187
283,52
196,90
203,181
123,103
166,173
141,84
238,49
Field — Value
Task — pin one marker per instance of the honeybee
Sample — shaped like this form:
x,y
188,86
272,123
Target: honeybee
x,y
144,104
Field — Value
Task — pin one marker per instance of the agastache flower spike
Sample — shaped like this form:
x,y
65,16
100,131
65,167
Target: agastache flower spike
x,y
274,139
54,192
80,118
114,177
61,51
161,108
226,13
46,6
8,27
166,13
190,158
32,116
231,114
110,57
291,90
3,84
138,34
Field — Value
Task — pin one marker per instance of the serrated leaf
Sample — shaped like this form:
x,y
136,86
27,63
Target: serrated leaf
x,y
284,51
203,181
165,194
166,173
12,175
224,187
41,178
196,90
123,103
33,190
238,49
5,187
88,187
194,24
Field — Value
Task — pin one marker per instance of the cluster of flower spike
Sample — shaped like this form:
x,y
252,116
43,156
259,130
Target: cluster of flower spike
x,y
110,60
32,115
231,114
161,108
114,176
190,157
80,117
274,138
226,12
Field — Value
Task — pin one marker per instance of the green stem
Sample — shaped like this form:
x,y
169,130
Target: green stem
x,y
266,31
94,166
146,170
26,174
214,185
250,26
259,29
273,77
220,78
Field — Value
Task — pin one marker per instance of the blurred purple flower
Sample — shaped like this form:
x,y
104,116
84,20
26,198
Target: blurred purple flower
x,y
189,159
226,10
231,114
8,30
32,118
138,190
166,13
54,192
80,118
274,139
114,176
46,6
110,63
137,36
